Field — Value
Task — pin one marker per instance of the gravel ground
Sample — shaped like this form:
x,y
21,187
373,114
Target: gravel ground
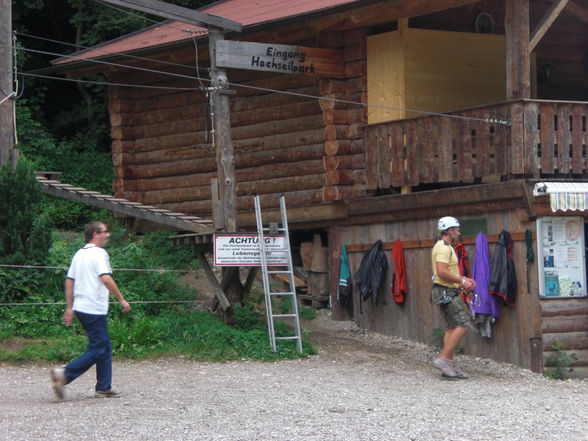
x,y
361,386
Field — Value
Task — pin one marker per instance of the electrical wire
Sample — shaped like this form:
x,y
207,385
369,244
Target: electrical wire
x,y
147,270
124,11
264,89
137,302
134,57
104,83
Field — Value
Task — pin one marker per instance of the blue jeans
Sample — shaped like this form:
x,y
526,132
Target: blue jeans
x,y
99,352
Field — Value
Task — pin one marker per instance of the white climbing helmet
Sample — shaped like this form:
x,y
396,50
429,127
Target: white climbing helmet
x,y
447,222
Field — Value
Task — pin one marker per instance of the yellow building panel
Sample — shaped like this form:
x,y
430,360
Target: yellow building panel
x,y
434,71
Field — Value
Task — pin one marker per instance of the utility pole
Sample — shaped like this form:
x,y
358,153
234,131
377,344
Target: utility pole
x,y
6,85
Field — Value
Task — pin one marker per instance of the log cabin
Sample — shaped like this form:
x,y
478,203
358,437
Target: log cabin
x,y
401,112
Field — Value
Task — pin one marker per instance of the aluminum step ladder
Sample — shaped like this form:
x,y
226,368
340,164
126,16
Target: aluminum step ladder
x,y
288,269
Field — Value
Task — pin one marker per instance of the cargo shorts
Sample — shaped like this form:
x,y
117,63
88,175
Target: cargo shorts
x,y
452,307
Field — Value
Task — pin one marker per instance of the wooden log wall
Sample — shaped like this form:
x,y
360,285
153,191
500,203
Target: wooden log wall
x,y
344,132
514,336
311,150
565,323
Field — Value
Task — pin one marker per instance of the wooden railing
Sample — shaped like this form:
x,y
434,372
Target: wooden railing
x,y
542,138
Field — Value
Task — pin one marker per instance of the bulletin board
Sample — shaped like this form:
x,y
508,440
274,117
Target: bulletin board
x,y
561,257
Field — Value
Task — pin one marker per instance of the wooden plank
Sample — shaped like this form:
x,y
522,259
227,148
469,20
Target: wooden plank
x,y
445,149
565,323
546,22
396,155
531,157
430,171
414,147
547,138
568,340
518,77
179,13
465,165
563,139
218,291
578,113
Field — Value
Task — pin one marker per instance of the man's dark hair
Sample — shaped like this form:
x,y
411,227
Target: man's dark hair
x,y
91,228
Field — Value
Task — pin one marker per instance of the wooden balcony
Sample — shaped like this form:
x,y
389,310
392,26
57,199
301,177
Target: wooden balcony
x,y
541,139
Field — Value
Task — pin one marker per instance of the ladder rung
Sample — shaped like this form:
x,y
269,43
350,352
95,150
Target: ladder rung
x,y
284,315
291,293
294,337
278,272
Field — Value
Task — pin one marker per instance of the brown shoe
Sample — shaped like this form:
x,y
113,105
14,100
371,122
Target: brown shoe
x,y
107,394
58,382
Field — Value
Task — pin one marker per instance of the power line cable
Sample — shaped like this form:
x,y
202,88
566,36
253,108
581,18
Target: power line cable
x,y
104,83
134,57
338,100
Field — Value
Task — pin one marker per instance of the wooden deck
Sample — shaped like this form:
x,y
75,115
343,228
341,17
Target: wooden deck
x,y
541,138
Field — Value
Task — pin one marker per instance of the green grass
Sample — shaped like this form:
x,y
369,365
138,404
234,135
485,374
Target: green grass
x,y
149,330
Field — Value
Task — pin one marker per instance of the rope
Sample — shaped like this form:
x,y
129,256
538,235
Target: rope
x,y
153,270
138,302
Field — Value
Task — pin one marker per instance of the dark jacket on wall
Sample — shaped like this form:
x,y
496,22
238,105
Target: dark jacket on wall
x,y
503,280
371,273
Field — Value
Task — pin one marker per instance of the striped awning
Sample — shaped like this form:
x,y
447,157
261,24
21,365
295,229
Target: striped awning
x,y
564,195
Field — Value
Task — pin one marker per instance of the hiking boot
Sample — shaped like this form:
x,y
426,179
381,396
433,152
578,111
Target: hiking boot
x,y
446,368
58,382
107,394
460,374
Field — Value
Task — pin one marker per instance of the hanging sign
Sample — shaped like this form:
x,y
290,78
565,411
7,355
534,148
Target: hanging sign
x,y
243,250
280,58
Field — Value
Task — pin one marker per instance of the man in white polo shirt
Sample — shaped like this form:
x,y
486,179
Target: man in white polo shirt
x,y
89,280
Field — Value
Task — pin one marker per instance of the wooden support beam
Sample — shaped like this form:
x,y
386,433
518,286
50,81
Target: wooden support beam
x,y
518,61
179,13
546,23
218,291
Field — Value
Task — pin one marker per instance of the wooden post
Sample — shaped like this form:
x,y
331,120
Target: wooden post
x,y
222,136
6,84
518,64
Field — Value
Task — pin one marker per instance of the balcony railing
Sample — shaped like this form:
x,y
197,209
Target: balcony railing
x,y
544,138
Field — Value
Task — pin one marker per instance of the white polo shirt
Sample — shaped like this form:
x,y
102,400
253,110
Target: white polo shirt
x,y
90,293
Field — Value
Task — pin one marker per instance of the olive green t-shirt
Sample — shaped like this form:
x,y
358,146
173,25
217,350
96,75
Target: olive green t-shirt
x,y
444,252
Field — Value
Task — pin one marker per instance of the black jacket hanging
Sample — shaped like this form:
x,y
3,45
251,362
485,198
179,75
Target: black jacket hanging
x,y
503,280
371,273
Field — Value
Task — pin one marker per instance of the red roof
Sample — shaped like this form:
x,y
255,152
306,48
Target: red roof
x,y
246,12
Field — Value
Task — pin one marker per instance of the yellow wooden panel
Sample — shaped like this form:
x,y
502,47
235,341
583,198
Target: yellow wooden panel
x,y
385,72
440,71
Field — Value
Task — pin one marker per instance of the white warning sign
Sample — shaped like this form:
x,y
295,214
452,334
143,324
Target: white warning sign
x,y
243,250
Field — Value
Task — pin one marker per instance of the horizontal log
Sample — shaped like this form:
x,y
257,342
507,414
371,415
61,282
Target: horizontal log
x,y
306,137
177,127
328,102
345,177
281,185
271,128
332,86
355,85
355,69
175,168
564,323
169,141
168,101
335,131
355,131
202,152
355,52
344,147
581,356
271,99
555,307
340,192
268,201
335,116
357,115
569,340
275,82
279,156
118,119
339,162
120,106
167,115
275,113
